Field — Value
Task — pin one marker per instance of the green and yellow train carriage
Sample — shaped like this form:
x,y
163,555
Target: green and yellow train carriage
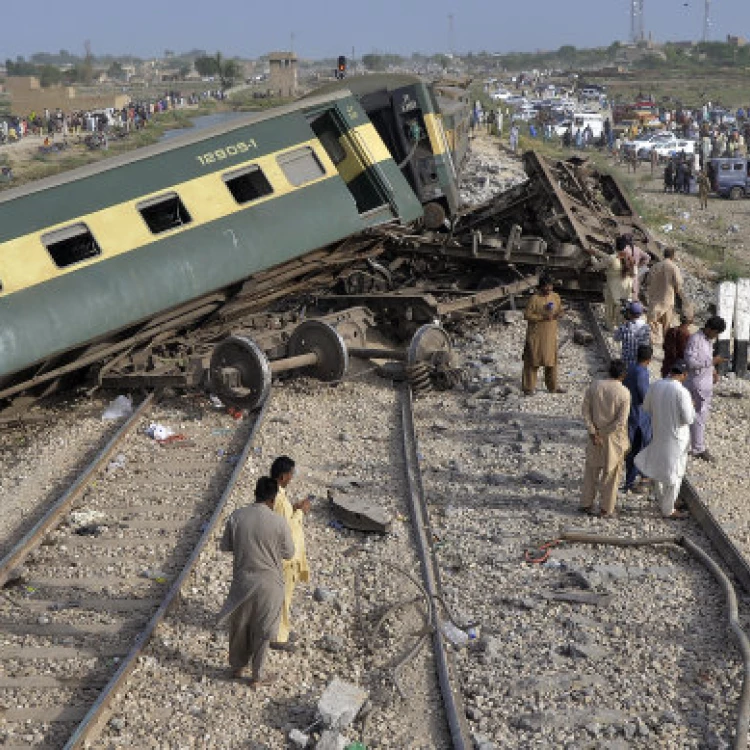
x,y
404,111
90,256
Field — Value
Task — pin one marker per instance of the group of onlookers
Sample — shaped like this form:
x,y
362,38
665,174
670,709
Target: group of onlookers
x,y
642,429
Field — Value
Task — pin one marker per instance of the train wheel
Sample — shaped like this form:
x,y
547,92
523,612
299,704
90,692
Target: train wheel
x,y
434,215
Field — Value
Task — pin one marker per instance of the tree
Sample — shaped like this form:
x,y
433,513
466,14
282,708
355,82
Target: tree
x,y
49,75
372,62
206,66
230,72
567,53
116,71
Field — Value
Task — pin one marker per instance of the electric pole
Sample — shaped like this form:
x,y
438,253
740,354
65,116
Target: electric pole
x,y
707,21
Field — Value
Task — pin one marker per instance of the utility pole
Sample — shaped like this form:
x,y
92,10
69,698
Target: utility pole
x,y
451,44
641,22
637,26
707,21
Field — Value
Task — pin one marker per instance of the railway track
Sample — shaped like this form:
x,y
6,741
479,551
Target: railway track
x,y
91,588
472,474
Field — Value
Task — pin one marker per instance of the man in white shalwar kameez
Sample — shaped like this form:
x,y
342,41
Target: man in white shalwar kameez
x,y
664,460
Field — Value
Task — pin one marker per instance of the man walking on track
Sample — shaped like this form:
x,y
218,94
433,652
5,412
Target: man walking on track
x,y
664,284
606,407
542,312
665,458
260,541
296,569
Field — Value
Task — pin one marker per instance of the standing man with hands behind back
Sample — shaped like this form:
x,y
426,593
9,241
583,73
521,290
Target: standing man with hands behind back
x,y
542,312
702,375
296,569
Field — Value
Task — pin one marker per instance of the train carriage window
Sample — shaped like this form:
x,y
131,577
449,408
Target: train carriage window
x,y
164,212
300,166
71,245
247,184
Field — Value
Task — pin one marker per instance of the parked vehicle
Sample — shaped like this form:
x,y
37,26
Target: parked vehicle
x,y
501,95
594,120
646,140
666,147
730,176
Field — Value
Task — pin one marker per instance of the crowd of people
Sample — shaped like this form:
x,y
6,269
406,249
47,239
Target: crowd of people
x,y
131,117
643,430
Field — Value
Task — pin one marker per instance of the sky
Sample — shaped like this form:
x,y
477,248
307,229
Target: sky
x,y
250,28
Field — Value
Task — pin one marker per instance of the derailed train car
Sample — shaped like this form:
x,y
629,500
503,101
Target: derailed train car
x,y
103,257
428,139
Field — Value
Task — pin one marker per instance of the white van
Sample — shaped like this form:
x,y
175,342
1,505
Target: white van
x,y
594,120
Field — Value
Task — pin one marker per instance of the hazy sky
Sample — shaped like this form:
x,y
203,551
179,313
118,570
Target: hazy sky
x,y
250,28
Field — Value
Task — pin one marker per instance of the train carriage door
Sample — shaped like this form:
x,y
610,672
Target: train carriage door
x,y
352,161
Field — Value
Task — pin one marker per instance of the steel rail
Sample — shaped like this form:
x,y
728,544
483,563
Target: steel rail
x,y
33,538
460,736
91,723
742,723
734,559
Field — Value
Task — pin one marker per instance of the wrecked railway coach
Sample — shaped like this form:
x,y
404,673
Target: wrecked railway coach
x,y
145,244
562,216
426,136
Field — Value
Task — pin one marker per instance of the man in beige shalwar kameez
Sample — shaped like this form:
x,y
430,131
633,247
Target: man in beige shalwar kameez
x,y
542,312
295,570
664,284
606,406
260,541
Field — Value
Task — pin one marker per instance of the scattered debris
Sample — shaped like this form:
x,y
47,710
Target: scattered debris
x,y
361,515
120,407
340,703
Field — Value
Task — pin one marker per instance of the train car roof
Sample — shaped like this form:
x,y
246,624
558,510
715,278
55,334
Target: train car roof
x,y
146,152
451,106
367,84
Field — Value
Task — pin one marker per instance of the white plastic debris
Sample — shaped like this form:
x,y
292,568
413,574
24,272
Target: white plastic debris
x,y
78,519
117,463
459,638
666,228
159,431
121,407
216,402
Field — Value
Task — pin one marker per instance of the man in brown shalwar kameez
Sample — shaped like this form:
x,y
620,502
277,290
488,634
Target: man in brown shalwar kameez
x,y
664,284
542,312
606,407
260,541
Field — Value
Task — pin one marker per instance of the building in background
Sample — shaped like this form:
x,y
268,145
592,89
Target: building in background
x,y
282,79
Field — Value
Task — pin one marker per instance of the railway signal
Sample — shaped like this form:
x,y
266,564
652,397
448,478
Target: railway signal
x,y
341,67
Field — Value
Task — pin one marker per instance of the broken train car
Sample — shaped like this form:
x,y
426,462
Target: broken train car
x,y
102,258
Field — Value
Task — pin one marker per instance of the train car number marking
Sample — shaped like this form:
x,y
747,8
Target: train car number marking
x,y
242,147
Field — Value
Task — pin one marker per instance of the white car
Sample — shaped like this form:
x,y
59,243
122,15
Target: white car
x,y
646,140
667,147
501,95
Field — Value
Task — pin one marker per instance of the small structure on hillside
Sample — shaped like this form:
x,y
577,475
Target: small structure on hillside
x,y
283,74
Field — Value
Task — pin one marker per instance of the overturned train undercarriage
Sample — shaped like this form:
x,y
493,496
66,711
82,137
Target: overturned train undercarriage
x,y
310,315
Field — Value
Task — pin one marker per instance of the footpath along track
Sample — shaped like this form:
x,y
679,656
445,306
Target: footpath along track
x,y
96,585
